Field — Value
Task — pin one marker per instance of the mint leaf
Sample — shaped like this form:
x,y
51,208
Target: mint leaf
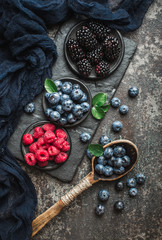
x,y
50,86
99,99
97,112
96,149
106,107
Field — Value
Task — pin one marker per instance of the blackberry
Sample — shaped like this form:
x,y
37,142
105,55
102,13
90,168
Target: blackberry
x,y
86,38
95,55
102,69
84,67
111,48
75,51
99,30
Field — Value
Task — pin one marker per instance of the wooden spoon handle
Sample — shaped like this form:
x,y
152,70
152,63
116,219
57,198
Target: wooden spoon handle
x,y
39,222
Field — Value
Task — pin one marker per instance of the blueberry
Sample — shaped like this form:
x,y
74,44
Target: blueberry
x,y
99,168
89,154
47,95
62,121
60,94
48,111
103,195
77,110
119,171
111,161
83,98
123,109
140,178
133,92
108,153
59,109
118,162
71,118
108,171
58,84
119,205
132,192
55,116
104,139
30,107
66,87
100,209
64,97
117,126
54,98
119,151
67,105
131,182
101,160
85,106
80,116
119,186
126,161
115,102
76,86
76,94
85,137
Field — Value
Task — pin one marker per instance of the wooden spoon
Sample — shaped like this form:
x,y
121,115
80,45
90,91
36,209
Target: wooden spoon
x,y
85,183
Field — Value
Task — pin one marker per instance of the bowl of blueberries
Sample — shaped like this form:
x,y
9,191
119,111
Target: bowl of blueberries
x,y
70,105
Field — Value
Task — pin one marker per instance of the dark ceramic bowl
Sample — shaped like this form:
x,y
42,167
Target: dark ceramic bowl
x,y
25,149
84,88
113,66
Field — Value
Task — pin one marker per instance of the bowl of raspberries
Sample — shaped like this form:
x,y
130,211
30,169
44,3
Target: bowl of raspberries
x,y
45,145
70,105
93,50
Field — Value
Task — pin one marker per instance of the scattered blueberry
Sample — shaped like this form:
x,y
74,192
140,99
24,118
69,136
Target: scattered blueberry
x,y
108,171
77,110
58,84
132,192
115,102
100,209
140,178
89,154
133,92
85,137
118,162
55,116
30,107
108,153
119,186
104,140
123,109
101,160
66,87
126,161
119,205
99,168
119,151
71,118
76,94
117,126
131,182
54,98
67,105
85,106
103,195
83,98
119,171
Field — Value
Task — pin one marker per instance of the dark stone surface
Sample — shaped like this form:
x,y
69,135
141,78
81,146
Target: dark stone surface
x,y
108,85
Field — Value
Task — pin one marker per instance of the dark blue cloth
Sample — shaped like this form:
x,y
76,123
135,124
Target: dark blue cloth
x,y
26,58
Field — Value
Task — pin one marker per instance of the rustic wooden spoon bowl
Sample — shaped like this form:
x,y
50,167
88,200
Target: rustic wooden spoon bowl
x,y
84,184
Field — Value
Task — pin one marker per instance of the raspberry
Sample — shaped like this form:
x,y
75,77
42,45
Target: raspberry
x,y
65,147
30,159
48,126
33,147
42,164
49,136
38,132
51,158
42,144
59,143
61,157
53,151
27,139
60,133
42,155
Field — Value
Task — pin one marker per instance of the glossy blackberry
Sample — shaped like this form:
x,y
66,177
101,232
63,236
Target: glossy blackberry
x,y
99,30
75,51
111,48
84,67
95,56
86,38
102,69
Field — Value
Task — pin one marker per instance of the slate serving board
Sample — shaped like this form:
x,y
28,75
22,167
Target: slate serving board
x,y
109,85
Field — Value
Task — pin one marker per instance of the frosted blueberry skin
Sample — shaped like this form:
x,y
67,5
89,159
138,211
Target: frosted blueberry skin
x,y
29,108
58,84
104,139
71,118
133,92
123,109
102,160
64,97
55,116
85,137
115,102
117,126
59,109
99,168
100,209
89,154
67,105
119,171
133,192
108,153
118,162
103,195
48,111
119,205
76,86
111,161
131,182
77,110
119,186
140,178
85,106
54,98
108,171
119,151
67,87
83,98
76,94
126,161
62,121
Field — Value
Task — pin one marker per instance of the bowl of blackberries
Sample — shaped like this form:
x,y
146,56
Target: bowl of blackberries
x,y
93,50
70,105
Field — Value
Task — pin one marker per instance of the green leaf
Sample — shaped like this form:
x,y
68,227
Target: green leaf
x,y
96,149
50,86
99,99
106,107
98,112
